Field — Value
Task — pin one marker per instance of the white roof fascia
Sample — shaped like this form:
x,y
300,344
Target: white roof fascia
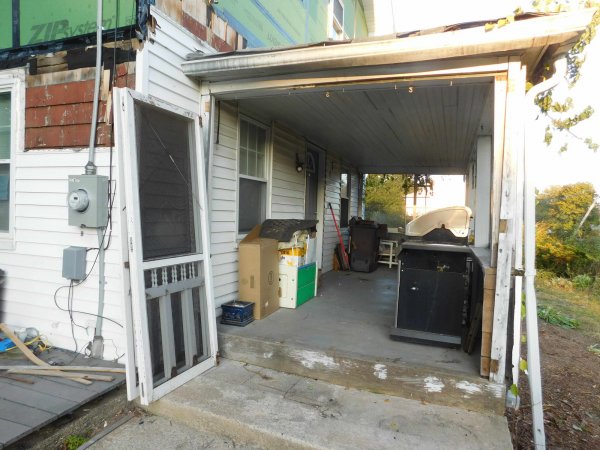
x,y
520,35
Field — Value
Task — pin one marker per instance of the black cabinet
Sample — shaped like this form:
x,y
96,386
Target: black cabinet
x,y
433,282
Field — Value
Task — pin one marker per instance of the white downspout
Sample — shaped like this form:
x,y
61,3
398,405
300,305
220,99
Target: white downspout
x,y
90,167
532,141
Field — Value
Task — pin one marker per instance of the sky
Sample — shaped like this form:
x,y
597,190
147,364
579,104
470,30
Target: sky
x,y
578,163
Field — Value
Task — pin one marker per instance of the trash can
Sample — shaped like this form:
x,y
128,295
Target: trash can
x,y
364,247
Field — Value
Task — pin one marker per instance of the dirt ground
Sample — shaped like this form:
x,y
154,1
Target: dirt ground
x,y
571,393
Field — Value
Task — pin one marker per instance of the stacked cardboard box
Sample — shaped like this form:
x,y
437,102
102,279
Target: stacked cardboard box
x,y
259,273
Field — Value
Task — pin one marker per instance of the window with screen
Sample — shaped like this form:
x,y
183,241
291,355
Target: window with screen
x,y
168,202
252,175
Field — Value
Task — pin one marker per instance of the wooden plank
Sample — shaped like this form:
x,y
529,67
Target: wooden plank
x,y
19,379
500,89
28,353
23,414
59,374
513,146
487,319
67,368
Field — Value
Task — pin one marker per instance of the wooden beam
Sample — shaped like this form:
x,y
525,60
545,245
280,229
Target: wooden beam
x,y
513,146
67,368
59,374
500,93
29,354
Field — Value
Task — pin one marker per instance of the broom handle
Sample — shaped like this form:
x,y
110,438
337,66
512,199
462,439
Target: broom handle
x,y
345,256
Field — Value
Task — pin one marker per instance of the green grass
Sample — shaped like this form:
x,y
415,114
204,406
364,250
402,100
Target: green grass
x,y
74,441
561,301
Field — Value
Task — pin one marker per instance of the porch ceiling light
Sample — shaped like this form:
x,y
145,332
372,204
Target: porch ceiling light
x,y
299,164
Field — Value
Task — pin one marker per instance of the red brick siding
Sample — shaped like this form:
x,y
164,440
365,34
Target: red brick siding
x,y
205,34
59,115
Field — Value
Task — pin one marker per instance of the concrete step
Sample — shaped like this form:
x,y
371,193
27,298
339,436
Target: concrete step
x,y
381,375
264,408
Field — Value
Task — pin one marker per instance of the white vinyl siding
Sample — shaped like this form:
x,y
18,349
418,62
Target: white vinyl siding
x,y
332,195
223,215
158,71
288,186
161,61
34,267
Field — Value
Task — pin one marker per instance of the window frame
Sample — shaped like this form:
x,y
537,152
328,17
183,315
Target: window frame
x,y
13,81
337,28
345,219
266,170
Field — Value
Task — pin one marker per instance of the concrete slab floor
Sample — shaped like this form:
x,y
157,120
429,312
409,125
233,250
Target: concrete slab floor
x,y
353,313
262,408
154,432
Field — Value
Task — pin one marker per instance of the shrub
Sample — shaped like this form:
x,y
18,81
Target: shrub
x,y
582,281
555,317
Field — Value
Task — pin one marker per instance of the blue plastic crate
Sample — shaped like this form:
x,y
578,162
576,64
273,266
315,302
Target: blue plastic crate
x,y
237,313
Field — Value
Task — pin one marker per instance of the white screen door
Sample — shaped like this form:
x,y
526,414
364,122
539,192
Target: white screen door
x,y
171,314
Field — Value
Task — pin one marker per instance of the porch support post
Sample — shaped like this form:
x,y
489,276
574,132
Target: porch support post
x,y
500,94
483,191
513,146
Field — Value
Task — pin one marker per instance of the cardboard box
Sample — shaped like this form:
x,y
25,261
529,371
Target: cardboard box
x,y
259,273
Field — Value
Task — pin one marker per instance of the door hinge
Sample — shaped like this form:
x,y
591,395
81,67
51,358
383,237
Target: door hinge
x,y
518,273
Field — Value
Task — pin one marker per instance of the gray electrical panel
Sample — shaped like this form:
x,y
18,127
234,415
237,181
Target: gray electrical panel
x,y
88,201
74,263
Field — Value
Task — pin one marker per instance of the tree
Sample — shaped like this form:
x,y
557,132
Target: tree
x,y
417,184
384,199
561,112
565,245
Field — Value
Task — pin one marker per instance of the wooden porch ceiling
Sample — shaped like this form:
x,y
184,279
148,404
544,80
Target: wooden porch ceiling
x,y
425,127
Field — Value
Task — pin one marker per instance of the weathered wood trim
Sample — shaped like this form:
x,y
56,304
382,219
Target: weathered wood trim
x,y
518,258
500,92
513,146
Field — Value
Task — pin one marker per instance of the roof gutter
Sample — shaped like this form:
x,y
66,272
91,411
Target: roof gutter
x,y
520,35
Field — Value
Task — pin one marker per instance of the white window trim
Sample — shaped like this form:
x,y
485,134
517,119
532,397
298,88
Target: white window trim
x,y
13,81
336,26
268,171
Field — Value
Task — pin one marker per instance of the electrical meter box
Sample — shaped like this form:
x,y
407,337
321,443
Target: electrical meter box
x,y
88,201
